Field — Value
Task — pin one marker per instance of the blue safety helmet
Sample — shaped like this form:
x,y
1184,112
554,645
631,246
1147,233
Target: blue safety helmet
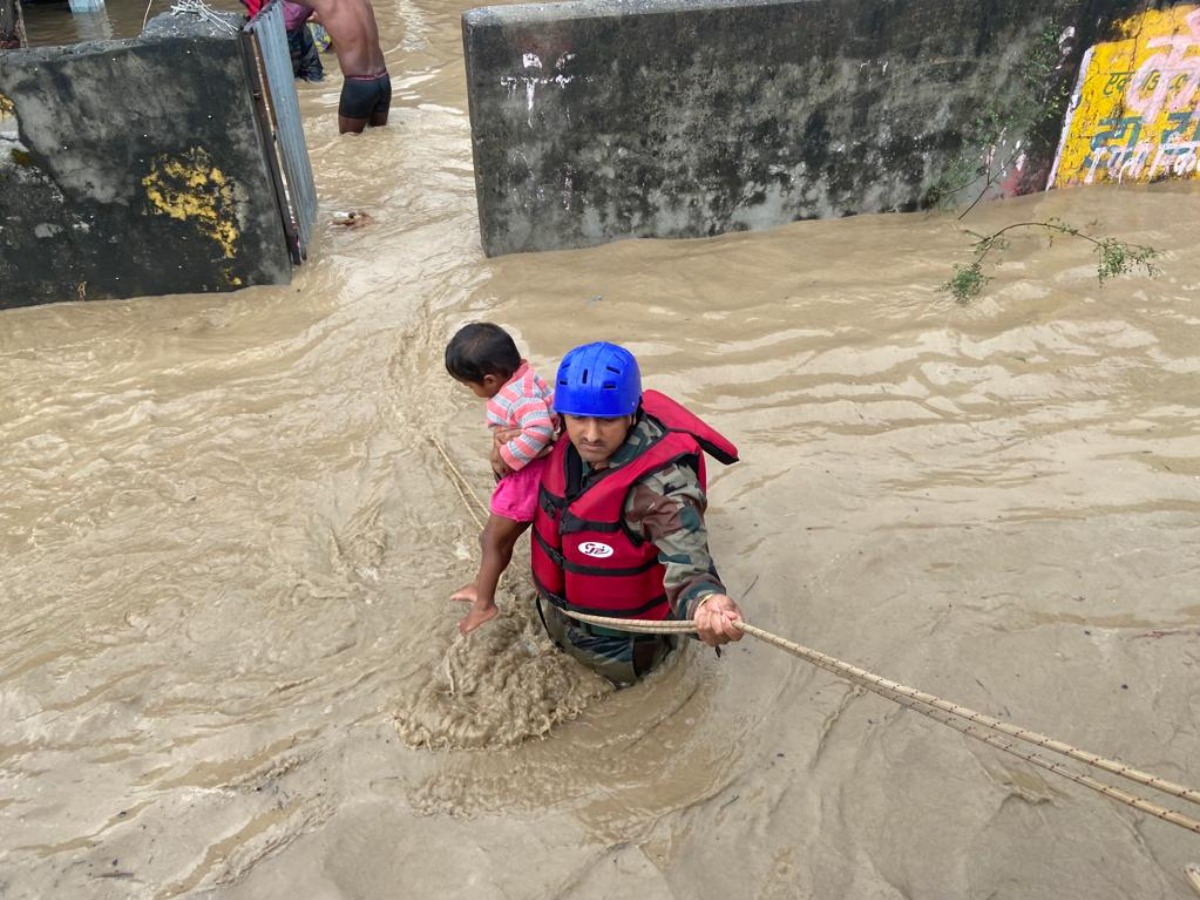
x,y
599,379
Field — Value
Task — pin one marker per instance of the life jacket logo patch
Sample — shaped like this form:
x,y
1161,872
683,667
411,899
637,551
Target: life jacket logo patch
x,y
595,549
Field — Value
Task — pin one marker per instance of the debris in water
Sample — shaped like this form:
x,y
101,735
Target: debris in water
x,y
351,218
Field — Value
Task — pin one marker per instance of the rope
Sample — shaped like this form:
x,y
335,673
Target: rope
x,y
1031,737
963,719
202,10
1113,793
462,486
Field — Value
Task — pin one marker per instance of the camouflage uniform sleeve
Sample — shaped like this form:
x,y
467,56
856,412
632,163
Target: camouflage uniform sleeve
x,y
667,509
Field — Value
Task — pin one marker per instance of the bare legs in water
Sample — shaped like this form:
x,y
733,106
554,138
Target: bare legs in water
x,y
496,543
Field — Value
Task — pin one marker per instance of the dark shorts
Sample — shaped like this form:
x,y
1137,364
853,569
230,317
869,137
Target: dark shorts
x,y
365,97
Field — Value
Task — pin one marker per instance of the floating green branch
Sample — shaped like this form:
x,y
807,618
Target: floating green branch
x,y
1114,257
1024,118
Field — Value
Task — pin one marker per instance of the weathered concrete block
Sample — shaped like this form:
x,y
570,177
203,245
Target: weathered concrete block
x,y
132,168
605,119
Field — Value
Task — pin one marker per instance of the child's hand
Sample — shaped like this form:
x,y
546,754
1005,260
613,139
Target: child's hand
x,y
500,437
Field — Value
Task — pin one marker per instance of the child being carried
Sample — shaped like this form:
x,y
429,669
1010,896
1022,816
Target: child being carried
x,y
485,359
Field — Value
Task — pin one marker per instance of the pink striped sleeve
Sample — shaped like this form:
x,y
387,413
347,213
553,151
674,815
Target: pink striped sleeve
x,y
524,403
532,415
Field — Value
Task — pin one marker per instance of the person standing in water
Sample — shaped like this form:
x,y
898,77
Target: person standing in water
x,y
484,358
367,89
306,62
619,530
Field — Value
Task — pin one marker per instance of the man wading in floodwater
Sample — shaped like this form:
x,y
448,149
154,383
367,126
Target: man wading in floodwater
x,y
367,89
619,529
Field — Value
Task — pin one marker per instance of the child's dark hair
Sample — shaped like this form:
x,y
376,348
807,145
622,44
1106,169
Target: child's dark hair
x,y
480,349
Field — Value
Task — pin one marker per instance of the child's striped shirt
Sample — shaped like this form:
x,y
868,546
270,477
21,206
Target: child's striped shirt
x,y
525,402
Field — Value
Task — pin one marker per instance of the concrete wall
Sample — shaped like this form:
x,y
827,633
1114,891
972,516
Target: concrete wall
x,y
604,119
132,168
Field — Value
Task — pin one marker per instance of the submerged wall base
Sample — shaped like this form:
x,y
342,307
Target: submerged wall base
x,y
131,168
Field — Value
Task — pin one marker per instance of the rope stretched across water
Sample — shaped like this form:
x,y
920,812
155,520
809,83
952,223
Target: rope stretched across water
x,y
971,723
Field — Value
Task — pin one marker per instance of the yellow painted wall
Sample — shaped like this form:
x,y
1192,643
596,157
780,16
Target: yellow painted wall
x,y
192,189
1136,115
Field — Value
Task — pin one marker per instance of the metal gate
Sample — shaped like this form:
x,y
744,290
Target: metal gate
x,y
269,63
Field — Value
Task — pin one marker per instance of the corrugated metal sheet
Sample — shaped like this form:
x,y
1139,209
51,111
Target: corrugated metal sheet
x,y
283,129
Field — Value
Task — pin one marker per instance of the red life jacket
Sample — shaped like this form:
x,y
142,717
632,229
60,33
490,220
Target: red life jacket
x,y
584,558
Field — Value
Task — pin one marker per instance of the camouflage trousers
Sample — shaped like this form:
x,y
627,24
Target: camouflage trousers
x,y
621,657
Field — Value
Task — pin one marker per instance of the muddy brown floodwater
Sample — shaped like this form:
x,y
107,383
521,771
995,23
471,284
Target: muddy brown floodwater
x,y
228,662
